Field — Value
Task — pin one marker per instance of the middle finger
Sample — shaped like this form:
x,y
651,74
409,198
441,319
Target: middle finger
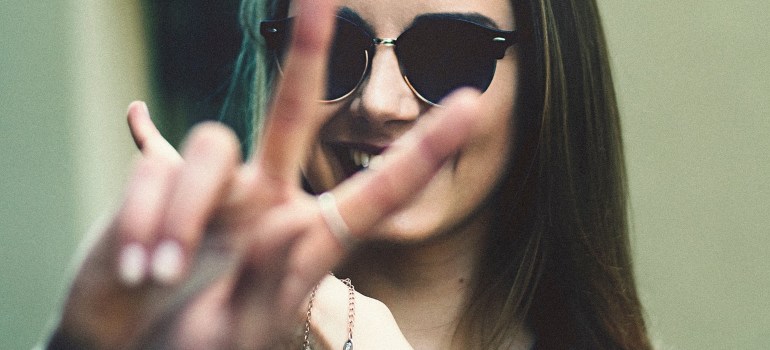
x,y
293,117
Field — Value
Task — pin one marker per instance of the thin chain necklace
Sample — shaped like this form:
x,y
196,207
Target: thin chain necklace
x,y
306,341
351,316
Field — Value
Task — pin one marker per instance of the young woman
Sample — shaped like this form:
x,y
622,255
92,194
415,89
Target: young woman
x,y
483,218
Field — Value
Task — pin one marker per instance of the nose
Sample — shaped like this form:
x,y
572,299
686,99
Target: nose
x,y
385,97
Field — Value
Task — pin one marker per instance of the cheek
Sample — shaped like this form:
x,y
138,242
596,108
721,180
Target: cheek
x,y
502,91
496,124
490,152
484,160
460,189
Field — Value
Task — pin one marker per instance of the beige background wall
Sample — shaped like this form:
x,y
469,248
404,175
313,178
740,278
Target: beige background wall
x,y
694,85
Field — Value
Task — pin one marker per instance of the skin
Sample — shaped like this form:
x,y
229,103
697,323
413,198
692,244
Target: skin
x,y
261,241
384,108
423,278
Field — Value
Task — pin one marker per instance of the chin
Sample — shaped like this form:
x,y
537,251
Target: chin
x,y
405,228
428,218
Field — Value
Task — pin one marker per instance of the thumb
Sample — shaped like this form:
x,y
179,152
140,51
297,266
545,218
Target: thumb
x,y
146,136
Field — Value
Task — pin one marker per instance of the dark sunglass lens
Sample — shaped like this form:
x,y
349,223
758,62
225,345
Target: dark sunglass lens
x,y
440,56
347,60
276,34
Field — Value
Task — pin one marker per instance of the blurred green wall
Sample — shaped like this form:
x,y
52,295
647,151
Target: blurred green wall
x,y
68,69
37,218
694,85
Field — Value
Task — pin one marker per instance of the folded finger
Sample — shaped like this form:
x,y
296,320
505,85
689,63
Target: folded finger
x,y
211,158
137,219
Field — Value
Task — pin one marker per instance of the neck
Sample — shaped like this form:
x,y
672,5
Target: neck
x,y
426,285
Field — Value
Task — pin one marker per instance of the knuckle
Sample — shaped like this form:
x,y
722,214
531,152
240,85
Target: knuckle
x,y
211,138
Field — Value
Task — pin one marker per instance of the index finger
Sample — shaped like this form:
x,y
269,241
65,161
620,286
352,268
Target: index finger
x,y
368,197
292,119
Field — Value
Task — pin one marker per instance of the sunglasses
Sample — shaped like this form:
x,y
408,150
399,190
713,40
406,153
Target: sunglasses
x,y
437,54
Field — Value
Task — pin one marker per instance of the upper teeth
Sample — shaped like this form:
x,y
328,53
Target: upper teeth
x,y
365,160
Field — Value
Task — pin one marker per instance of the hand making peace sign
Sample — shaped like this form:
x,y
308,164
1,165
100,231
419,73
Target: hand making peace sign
x,y
207,252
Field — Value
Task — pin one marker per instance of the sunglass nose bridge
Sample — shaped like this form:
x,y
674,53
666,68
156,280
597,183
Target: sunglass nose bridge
x,y
385,41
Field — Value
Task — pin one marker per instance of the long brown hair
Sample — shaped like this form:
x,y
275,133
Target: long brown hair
x,y
558,258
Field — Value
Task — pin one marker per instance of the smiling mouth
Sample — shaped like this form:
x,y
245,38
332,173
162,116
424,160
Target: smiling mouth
x,y
355,158
364,160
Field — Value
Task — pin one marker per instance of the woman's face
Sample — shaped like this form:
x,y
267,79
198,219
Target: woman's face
x,y
383,107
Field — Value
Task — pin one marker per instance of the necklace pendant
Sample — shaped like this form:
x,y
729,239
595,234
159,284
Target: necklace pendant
x,y
348,345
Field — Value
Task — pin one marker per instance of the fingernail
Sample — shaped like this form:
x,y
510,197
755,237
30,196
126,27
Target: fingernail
x,y
145,108
167,262
132,264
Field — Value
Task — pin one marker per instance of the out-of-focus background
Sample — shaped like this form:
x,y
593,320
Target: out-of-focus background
x,y
693,79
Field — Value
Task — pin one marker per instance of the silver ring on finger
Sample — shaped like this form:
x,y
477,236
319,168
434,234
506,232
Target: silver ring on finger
x,y
331,215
